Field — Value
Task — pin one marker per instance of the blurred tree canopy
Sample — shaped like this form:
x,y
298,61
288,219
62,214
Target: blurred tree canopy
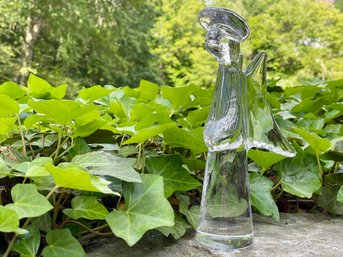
x,y
120,42
302,38
92,41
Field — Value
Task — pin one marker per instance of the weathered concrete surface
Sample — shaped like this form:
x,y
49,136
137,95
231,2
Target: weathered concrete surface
x,y
297,235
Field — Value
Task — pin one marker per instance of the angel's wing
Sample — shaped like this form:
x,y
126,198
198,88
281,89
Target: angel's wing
x,y
262,132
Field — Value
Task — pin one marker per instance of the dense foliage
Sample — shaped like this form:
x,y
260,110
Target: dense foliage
x,y
128,161
119,42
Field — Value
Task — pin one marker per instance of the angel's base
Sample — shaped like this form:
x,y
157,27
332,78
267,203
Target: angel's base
x,y
224,242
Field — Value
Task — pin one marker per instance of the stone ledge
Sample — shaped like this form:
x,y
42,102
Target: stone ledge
x,y
297,235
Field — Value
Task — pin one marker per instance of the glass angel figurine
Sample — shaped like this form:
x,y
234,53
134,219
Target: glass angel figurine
x,y
240,119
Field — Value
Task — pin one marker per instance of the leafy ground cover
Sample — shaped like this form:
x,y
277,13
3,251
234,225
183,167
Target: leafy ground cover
x,y
129,162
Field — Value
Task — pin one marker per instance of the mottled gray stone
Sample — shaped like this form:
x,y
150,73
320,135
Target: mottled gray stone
x,y
297,235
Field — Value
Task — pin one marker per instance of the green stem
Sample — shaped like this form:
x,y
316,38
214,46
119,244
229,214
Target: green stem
x,y
122,140
33,153
56,209
14,239
278,196
143,158
63,222
22,137
89,229
100,227
139,155
58,145
276,185
43,141
94,229
51,192
334,167
321,173
66,150
24,180
118,203
313,208
66,199
263,171
10,246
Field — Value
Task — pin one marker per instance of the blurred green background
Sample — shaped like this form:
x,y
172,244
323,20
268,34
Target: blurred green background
x,y
120,42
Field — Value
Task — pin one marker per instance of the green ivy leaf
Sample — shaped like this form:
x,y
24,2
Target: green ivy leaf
x,y
8,107
177,96
264,159
12,90
337,145
331,194
76,178
198,117
304,91
88,116
94,93
299,175
61,111
28,244
118,109
64,111
43,222
128,150
33,119
35,168
336,129
105,164
28,202
38,85
319,145
58,92
189,139
193,163
61,243
146,133
131,92
175,177
39,88
178,230
148,90
274,101
340,195
7,124
89,128
146,115
183,98
4,169
146,208
9,220
314,125
315,105
80,147
86,207
191,214
261,197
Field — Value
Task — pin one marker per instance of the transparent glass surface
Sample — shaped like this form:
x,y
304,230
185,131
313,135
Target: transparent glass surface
x,y
240,118
262,130
225,216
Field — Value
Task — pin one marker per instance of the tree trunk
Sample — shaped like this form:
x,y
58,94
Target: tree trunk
x,y
31,34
